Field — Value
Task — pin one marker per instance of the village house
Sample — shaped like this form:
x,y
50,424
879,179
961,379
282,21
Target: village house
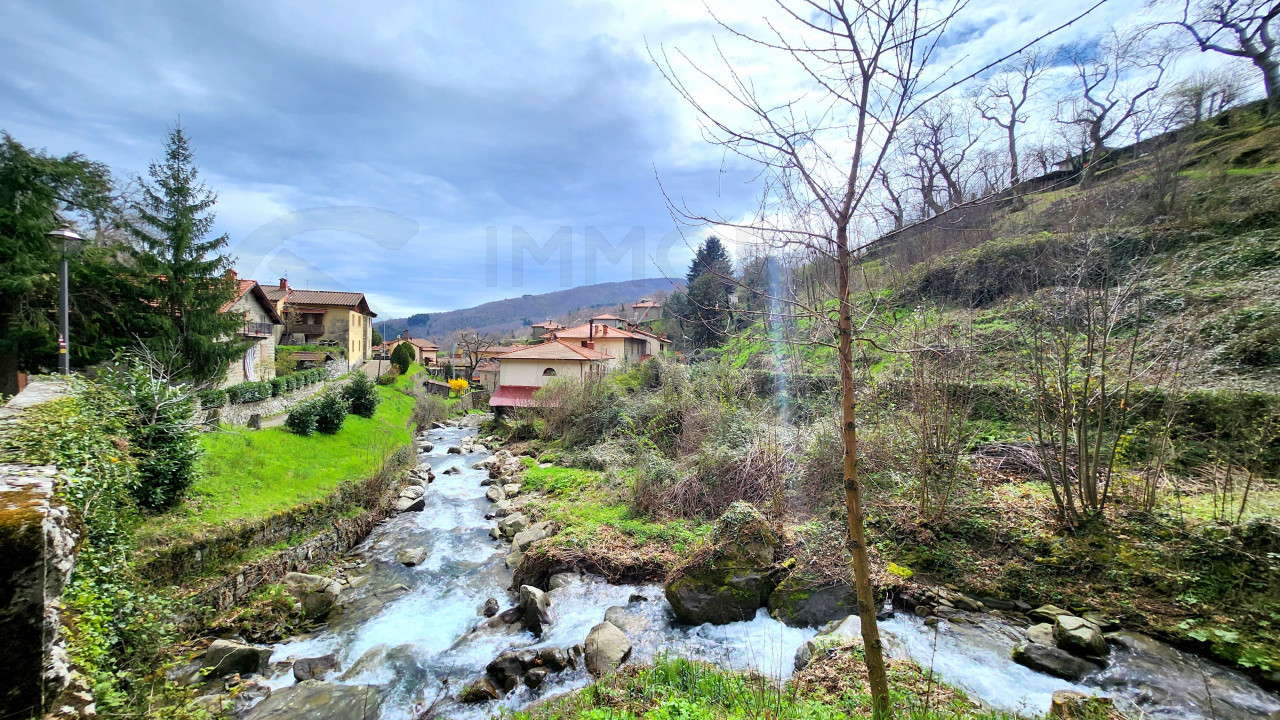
x,y
646,312
522,372
260,329
424,351
609,334
486,374
338,319
543,329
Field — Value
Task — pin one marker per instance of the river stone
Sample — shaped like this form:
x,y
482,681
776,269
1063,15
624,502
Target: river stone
x,y
966,603
1046,613
560,580
482,690
505,670
314,668
413,491
490,607
1051,660
426,447
512,524
605,649
1072,705
831,634
732,582
317,700
1080,637
511,489
455,470
1104,623
317,594
531,535
410,504
799,603
535,677
625,620
533,604
411,556
455,450
480,465
494,494
554,659
1041,634
227,657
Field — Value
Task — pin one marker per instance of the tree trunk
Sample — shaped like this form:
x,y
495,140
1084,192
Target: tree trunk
x,y
1271,81
872,647
1014,177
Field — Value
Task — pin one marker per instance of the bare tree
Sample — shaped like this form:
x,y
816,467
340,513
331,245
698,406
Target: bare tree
x,y
473,343
1202,96
941,140
1115,79
821,155
1240,28
1004,97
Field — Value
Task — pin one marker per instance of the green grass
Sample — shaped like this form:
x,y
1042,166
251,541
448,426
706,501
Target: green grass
x,y
406,381
674,688
584,502
1264,502
246,474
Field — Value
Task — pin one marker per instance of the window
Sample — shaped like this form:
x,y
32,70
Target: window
x,y
549,372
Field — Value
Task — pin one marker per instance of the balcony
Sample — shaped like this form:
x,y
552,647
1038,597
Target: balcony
x,y
258,329
305,328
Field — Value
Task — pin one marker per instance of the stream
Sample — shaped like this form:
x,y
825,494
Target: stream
x,y
407,629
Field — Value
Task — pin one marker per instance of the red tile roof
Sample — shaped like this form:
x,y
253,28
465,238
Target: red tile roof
x,y
353,300
513,396
245,286
555,350
585,332
606,316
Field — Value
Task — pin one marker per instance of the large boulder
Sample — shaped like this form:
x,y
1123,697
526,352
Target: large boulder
x,y
1053,661
605,649
314,668
1079,637
733,580
317,594
513,524
833,634
316,700
227,657
533,604
531,535
405,504
626,620
1046,614
799,601
1041,634
411,556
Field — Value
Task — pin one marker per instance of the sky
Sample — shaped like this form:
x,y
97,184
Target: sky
x,y
429,154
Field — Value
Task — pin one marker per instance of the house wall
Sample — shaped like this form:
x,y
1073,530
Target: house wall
x,y
529,372
264,348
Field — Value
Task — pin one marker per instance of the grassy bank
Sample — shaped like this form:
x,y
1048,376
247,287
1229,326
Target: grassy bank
x,y
831,687
248,474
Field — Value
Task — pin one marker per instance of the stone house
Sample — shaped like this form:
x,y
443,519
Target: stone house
x,y
646,311
260,329
337,319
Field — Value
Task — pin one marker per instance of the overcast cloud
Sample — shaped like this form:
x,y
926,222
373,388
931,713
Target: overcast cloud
x,y
383,147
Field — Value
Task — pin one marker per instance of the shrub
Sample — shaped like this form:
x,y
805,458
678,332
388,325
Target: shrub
x,y
331,412
429,409
458,386
361,395
302,418
581,412
277,386
247,392
389,377
163,434
214,398
402,357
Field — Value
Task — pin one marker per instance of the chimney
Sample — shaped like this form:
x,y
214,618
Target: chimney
x,y
284,283
406,334
589,345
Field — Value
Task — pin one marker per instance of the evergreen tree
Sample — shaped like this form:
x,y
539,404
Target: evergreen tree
x,y
402,357
38,193
711,257
187,279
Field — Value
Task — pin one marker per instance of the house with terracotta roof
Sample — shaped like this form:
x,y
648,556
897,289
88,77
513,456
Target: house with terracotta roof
x,y
424,351
606,334
261,322
341,319
522,372
646,311
542,329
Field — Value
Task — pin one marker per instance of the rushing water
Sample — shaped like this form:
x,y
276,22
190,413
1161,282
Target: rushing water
x,y
407,629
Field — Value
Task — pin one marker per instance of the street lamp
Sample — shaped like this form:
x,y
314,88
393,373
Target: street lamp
x,y
65,234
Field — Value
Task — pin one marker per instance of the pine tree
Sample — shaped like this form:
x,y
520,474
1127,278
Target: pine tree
x,y
187,273
711,257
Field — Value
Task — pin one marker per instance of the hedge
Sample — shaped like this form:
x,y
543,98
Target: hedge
x,y
214,398
247,392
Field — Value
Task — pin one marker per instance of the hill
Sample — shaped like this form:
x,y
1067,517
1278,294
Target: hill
x,y
502,316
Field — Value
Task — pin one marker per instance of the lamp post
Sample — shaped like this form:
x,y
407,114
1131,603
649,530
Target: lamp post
x,y
65,234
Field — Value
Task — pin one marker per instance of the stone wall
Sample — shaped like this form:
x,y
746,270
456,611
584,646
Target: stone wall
x,y
238,414
38,541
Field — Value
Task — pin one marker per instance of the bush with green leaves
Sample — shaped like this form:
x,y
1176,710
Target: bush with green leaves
x,y
247,392
277,386
302,418
214,398
362,395
331,412
163,434
402,357
389,377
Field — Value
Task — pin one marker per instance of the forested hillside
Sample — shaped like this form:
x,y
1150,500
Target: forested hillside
x,y
503,316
